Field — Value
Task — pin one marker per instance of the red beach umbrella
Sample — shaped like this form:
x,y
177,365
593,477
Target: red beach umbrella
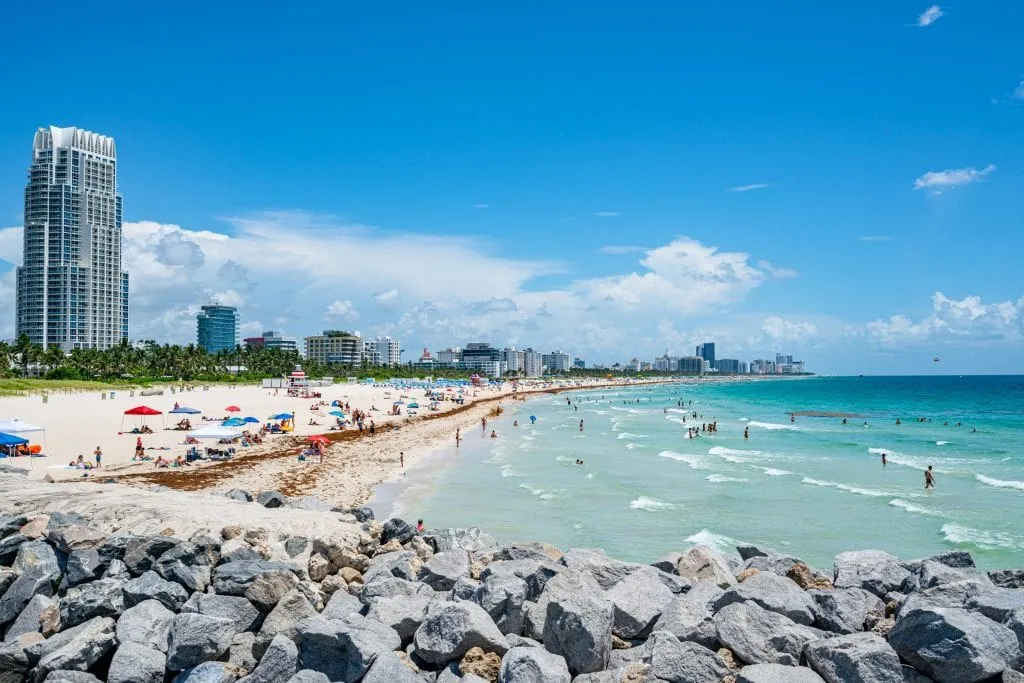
x,y
233,409
321,439
142,410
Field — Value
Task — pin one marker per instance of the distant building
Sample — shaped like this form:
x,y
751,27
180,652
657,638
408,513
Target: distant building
x,y
371,356
744,368
513,361
728,366
335,347
273,340
217,328
691,365
707,352
384,352
449,355
533,363
484,358
557,362
579,364
666,363
634,365
783,359
71,291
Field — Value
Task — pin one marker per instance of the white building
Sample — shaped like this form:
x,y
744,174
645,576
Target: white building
x,y
449,355
514,360
533,363
557,362
71,291
387,352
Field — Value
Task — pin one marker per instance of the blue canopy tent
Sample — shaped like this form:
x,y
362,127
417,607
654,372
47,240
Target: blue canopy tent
x,y
337,413
183,410
8,442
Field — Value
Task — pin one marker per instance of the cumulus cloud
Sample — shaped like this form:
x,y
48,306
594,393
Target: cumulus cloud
x,y
938,181
386,298
11,245
781,329
341,309
780,273
965,321
175,249
749,188
930,16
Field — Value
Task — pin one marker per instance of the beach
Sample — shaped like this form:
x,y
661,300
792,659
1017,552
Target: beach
x,y
76,423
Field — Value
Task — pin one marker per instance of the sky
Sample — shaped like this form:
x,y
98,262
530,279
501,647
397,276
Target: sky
x,y
839,181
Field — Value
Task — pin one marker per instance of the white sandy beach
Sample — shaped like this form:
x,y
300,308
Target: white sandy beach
x,y
76,423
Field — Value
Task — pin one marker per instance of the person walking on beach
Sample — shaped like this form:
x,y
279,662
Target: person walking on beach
x,y
99,456
929,478
401,458
373,428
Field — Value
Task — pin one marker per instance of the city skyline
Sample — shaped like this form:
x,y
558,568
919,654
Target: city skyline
x,y
672,174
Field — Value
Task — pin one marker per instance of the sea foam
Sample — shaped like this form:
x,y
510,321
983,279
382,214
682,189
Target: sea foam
x,y
694,461
1000,483
707,537
917,509
772,472
721,479
650,504
773,426
874,493
988,540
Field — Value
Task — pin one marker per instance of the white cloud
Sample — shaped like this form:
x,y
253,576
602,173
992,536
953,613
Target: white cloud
x,y
253,328
779,273
876,238
617,250
937,181
748,188
341,309
11,245
607,214
930,16
967,321
780,329
386,298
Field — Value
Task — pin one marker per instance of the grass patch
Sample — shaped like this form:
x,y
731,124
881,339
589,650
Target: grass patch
x,y
21,387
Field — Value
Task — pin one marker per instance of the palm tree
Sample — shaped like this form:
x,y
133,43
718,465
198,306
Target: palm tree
x,y
53,357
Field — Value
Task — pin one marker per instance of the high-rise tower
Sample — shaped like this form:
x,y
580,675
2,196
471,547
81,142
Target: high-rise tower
x,y
72,292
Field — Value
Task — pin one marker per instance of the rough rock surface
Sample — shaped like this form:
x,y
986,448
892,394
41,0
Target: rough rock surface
x,y
854,658
451,629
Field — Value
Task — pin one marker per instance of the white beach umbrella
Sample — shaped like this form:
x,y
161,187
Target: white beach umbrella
x,y
214,432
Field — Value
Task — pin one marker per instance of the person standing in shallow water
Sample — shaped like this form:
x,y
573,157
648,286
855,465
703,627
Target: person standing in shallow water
x,y
885,461
929,478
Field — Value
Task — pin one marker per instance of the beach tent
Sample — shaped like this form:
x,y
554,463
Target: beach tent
x,y
140,411
182,410
15,426
11,440
214,432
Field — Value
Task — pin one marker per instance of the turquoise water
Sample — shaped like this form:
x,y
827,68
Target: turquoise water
x,y
812,488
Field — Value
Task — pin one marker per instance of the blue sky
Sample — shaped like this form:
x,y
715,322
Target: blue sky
x,y
554,174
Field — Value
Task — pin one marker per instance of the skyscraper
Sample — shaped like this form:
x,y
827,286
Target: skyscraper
x,y
707,352
72,292
217,328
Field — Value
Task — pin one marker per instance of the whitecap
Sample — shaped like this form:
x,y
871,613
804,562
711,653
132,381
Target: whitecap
x,y
918,509
531,489
565,458
941,443
509,471
879,451
1000,483
679,410
773,426
651,504
590,475
632,446
721,450
989,540
721,479
677,420
628,435
873,493
694,461
772,472
709,538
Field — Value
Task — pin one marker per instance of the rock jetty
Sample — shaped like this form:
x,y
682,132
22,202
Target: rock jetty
x,y
385,604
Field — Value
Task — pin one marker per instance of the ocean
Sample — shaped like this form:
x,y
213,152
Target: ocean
x,y
812,487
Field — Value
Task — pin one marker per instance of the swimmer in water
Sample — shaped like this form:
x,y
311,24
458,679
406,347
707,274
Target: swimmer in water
x,y
746,432
494,434
581,425
929,478
885,460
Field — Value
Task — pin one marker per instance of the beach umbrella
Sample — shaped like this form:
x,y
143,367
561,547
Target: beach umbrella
x,y
321,439
233,409
182,410
233,422
398,403
11,440
214,432
414,405
281,416
250,420
142,410
337,413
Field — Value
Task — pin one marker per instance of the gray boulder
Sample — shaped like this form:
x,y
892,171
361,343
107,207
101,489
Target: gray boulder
x,y
758,636
28,620
309,676
442,570
689,617
844,610
934,573
451,629
398,530
389,668
667,562
391,587
141,552
240,611
235,578
71,677
197,638
502,596
605,570
997,603
308,503
342,603
239,495
271,499
536,572
9,548
1007,578
296,545
14,657
37,555
190,563
579,628
563,585
67,539
134,663
466,589
685,662
854,658
533,665
284,620
529,550
343,649
269,588
103,598
241,651
1015,622
774,593
472,540
362,514
277,664
147,624
639,599
778,673
404,615
953,645
11,524
701,563
35,581
75,649
209,672
873,570
150,586
59,518
399,564
83,565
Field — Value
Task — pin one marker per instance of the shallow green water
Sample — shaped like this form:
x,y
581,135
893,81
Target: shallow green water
x,y
812,488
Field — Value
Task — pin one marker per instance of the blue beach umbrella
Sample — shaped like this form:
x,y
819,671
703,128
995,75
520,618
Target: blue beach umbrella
x,y
337,413
281,416
250,420
183,410
233,422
